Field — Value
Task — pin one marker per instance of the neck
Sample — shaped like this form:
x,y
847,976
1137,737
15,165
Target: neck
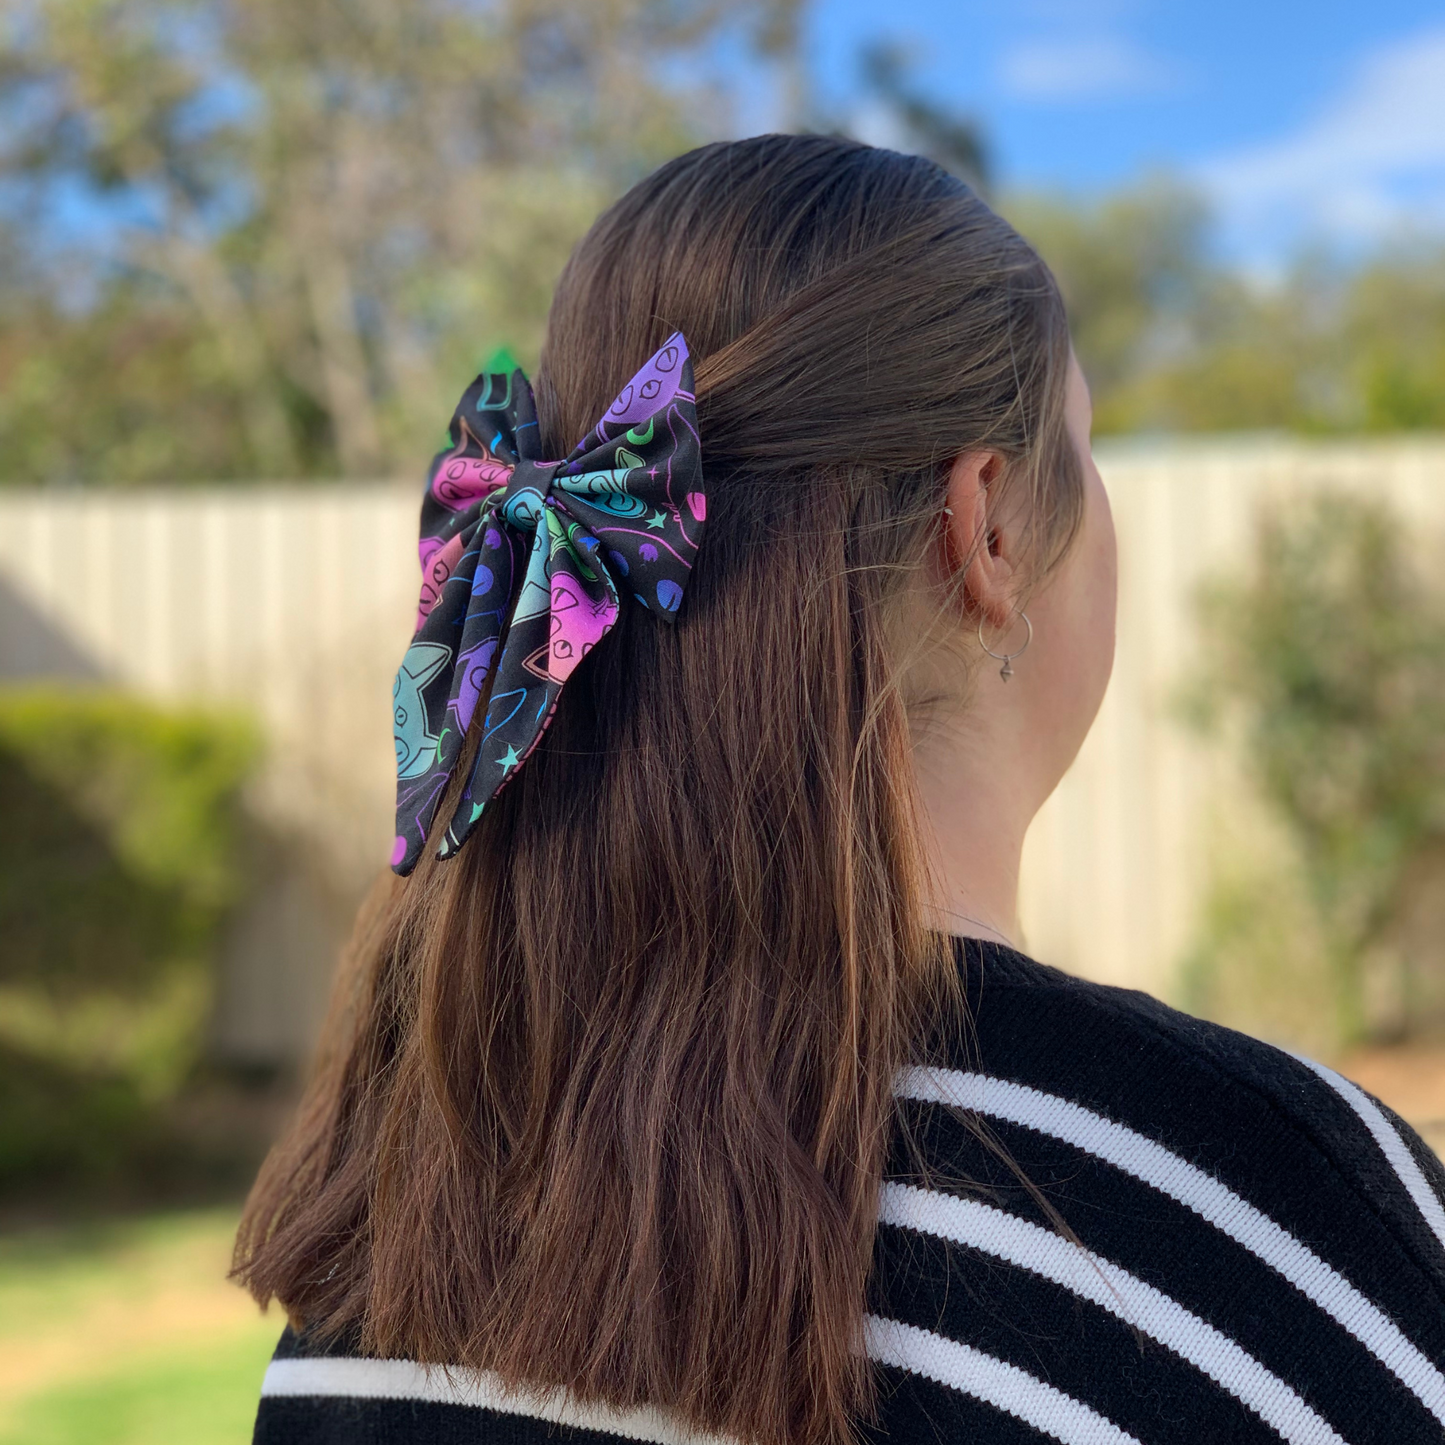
x,y
974,824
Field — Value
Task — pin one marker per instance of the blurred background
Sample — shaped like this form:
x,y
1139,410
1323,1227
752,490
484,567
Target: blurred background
x,y
250,253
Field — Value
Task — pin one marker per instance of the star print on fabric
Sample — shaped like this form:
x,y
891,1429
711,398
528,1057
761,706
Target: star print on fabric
x,y
657,521
509,760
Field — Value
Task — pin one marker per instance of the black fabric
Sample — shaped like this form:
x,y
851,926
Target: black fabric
x,y
333,1421
1257,1120
1245,1112
915,1409
1171,1248
1030,1322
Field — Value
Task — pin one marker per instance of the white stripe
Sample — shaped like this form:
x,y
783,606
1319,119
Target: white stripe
x,y
481,1389
1001,1385
1004,1386
1135,1154
1094,1278
1391,1145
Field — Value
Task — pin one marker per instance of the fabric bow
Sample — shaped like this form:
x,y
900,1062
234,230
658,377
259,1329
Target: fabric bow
x,y
535,555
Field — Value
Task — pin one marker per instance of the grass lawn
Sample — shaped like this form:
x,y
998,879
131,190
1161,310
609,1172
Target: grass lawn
x,y
128,1334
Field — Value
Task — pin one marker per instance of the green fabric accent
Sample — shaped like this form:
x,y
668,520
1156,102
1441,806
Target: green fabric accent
x,y
502,360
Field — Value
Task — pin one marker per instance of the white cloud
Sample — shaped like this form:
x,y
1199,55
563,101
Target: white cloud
x,y
1099,67
1371,161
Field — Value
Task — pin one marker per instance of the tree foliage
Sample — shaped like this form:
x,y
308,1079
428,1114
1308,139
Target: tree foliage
x,y
1329,659
253,239
294,229
1172,340
1133,270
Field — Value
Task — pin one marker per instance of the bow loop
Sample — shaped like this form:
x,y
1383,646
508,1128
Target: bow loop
x,y
525,564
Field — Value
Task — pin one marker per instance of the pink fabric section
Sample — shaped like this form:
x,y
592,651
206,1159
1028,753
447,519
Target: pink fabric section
x,y
578,624
460,481
438,562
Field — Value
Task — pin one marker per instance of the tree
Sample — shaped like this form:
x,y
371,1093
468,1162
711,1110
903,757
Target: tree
x,y
1134,272
1394,326
339,207
1173,340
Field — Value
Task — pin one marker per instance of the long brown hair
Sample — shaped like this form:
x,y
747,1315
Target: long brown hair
x,y
603,1101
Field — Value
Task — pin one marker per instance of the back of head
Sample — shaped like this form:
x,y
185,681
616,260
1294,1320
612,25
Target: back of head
x,y
604,1099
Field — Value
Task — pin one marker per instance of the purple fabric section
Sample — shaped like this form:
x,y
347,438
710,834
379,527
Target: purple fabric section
x,y
650,392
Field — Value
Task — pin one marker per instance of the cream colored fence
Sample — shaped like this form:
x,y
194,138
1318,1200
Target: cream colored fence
x,y
296,603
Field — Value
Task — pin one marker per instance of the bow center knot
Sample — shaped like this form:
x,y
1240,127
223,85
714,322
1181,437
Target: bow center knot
x,y
526,492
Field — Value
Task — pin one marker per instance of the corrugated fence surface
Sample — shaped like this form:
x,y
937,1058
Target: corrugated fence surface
x,y
296,604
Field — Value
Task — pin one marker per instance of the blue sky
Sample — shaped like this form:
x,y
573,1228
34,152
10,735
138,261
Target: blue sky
x,y
1301,123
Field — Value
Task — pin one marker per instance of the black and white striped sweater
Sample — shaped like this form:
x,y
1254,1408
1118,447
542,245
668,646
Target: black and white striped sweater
x,y
1263,1256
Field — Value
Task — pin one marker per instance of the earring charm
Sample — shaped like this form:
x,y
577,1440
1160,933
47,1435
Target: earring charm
x,y
1006,671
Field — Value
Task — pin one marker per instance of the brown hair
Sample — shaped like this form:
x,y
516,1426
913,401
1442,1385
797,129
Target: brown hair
x,y
603,1101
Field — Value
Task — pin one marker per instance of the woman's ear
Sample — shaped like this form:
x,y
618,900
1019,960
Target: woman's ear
x,y
977,545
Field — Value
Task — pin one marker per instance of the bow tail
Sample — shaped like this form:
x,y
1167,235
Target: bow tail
x,y
459,636
566,605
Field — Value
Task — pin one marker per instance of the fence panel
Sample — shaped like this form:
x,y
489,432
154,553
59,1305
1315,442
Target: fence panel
x,y
297,603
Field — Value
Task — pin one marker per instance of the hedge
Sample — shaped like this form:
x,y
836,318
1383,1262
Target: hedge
x,y
122,832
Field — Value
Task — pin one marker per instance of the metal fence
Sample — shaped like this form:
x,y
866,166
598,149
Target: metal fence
x,y
297,602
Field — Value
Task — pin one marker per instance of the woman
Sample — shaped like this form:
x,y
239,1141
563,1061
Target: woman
x,y
688,1081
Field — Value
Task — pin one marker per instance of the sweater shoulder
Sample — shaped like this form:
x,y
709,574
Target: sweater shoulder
x,y
1281,1130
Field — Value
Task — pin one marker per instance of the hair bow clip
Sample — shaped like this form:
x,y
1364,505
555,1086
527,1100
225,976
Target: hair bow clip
x,y
540,553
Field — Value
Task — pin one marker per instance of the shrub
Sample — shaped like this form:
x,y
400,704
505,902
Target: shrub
x,y
119,858
1327,664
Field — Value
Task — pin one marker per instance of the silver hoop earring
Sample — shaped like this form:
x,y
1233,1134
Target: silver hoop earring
x,y
1006,671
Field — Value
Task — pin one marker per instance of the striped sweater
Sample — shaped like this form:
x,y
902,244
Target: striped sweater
x,y
1260,1255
